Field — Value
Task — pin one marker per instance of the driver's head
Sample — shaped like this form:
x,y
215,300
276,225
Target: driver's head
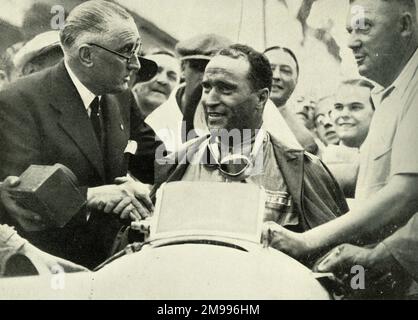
x,y
236,86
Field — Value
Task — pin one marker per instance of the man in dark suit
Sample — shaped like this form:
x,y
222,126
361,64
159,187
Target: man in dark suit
x,y
81,113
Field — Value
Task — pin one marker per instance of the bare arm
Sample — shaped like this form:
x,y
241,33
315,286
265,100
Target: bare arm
x,y
393,204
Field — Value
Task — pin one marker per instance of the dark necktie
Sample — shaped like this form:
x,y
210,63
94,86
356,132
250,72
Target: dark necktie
x,y
95,118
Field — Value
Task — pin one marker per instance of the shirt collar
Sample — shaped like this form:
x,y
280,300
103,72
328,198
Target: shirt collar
x,y
86,95
252,147
401,83
379,94
407,73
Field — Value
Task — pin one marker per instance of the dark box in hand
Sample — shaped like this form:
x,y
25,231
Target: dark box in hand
x,y
51,192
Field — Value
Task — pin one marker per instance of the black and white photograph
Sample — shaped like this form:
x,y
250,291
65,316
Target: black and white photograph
x,y
221,151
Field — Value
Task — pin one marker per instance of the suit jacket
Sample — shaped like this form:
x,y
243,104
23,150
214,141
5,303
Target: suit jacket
x,y
43,121
316,194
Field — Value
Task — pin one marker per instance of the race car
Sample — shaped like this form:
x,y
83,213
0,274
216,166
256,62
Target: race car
x,y
208,247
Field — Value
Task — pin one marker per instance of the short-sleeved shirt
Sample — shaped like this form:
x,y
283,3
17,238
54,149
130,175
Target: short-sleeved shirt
x,y
279,204
391,148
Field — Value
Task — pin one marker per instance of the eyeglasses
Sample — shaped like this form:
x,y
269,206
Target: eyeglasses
x,y
129,58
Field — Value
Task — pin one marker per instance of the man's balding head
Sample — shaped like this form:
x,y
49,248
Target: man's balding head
x,y
383,36
101,43
406,3
91,18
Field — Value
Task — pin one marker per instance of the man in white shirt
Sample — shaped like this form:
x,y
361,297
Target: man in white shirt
x,y
384,42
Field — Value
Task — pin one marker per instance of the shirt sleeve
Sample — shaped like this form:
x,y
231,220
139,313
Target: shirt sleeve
x,y
405,144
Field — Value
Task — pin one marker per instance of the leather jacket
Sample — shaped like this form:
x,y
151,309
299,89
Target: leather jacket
x,y
316,194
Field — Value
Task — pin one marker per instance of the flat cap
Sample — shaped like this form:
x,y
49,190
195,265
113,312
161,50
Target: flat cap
x,y
33,48
202,47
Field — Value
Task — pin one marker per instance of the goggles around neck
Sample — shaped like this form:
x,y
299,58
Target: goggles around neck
x,y
223,163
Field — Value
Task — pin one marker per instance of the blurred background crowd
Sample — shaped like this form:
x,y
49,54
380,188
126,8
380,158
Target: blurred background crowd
x,y
317,87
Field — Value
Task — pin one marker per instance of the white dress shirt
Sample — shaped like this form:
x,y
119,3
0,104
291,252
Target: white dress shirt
x,y
85,94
